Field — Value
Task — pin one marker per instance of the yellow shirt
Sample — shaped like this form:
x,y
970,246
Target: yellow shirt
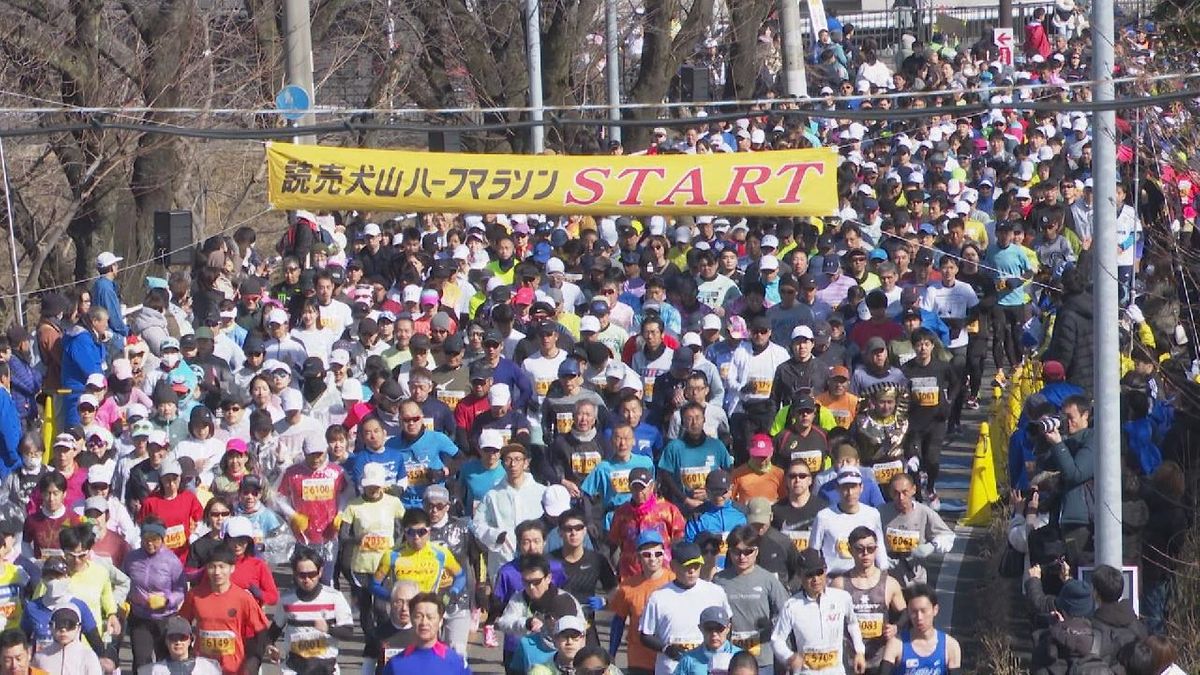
x,y
432,568
373,524
13,580
93,586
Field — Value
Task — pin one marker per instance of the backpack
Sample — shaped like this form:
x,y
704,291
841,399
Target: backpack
x,y
287,242
1096,661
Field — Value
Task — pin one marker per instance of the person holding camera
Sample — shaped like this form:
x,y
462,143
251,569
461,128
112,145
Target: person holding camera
x,y
1068,439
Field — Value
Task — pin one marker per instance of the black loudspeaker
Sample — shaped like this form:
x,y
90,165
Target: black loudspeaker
x,y
445,140
173,237
693,83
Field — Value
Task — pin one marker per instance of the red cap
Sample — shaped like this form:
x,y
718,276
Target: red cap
x,y
760,446
1053,371
523,296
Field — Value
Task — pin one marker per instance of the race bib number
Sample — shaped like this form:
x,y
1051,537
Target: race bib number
x,y
684,643
619,481
724,371
973,327
799,538
218,643
176,537
316,489
902,541
428,421
418,474
925,391
451,397
886,471
374,541
812,458
542,387
694,477
9,597
870,625
843,548
58,552
819,659
583,463
760,386
747,640
505,435
310,644
841,417
648,387
564,422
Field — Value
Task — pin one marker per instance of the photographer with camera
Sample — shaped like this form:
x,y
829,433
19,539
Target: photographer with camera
x,y
1067,440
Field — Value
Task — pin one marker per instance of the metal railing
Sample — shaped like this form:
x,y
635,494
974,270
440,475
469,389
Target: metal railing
x,y
968,24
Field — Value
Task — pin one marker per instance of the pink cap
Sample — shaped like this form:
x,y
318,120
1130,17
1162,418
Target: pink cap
x,y
429,297
737,328
236,445
523,296
760,446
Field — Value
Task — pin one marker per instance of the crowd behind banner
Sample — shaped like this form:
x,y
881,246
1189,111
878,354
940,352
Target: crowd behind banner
x,y
720,437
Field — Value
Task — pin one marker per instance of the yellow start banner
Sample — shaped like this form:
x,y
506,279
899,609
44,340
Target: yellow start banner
x,y
776,183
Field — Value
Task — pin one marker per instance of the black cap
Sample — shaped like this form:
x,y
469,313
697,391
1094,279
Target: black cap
x,y
718,480
201,415
368,326
251,286
419,343
544,329
808,281
391,392
493,335
640,475
453,344
187,342
686,553
253,345
55,565
811,561
760,323
313,367
480,370
923,258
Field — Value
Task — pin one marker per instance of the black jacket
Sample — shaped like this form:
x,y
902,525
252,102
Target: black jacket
x,y
1071,342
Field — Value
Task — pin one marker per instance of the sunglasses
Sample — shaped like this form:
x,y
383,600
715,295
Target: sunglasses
x,y
308,575
572,528
534,581
652,554
743,552
798,476
417,531
65,625
219,514
865,549
413,420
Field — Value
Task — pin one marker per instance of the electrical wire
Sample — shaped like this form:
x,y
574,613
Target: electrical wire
x,y
141,263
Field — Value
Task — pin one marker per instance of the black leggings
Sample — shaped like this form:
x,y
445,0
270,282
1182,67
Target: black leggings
x,y
147,640
925,439
958,382
1009,325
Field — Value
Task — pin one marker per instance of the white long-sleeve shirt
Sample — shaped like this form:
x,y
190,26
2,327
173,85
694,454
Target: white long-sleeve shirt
x,y
757,370
500,511
831,535
818,627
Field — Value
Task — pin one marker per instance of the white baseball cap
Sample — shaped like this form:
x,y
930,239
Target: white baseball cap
x,y
499,394
107,259
710,322
589,323
692,339
238,526
277,316
491,438
101,473
340,357
97,380
290,400
372,230
770,241
555,266
375,475
556,501
768,262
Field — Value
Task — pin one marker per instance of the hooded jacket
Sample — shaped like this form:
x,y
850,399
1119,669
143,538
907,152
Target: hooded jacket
x,y
1071,342
151,325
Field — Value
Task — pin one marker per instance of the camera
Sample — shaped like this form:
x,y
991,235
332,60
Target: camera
x,y
1045,424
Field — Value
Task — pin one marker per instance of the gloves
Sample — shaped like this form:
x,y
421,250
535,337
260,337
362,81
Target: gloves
x,y
299,521
256,592
1135,314
913,464
597,602
674,651
156,601
923,551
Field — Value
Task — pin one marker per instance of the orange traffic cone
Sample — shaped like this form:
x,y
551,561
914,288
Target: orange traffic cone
x,y
982,491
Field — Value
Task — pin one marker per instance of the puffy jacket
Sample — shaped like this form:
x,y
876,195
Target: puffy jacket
x,y
151,325
83,355
1076,459
26,383
1071,343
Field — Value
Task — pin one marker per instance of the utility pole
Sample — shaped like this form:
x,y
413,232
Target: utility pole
x,y
1107,409
612,65
533,43
297,45
1006,14
792,39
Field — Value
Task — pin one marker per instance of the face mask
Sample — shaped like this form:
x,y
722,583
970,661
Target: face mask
x,y
31,463
57,588
170,360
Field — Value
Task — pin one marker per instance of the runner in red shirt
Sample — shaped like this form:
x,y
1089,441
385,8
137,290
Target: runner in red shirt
x,y
179,510
231,628
42,526
308,496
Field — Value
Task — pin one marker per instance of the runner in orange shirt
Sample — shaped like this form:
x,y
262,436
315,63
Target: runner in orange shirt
x,y
629,601
230,626
758,477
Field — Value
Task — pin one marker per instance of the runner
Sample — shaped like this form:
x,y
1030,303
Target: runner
x,y
878,599
755,596
628,602
427,654
831,529
670,624
231,626
912,531
818,621
922,649
312,619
